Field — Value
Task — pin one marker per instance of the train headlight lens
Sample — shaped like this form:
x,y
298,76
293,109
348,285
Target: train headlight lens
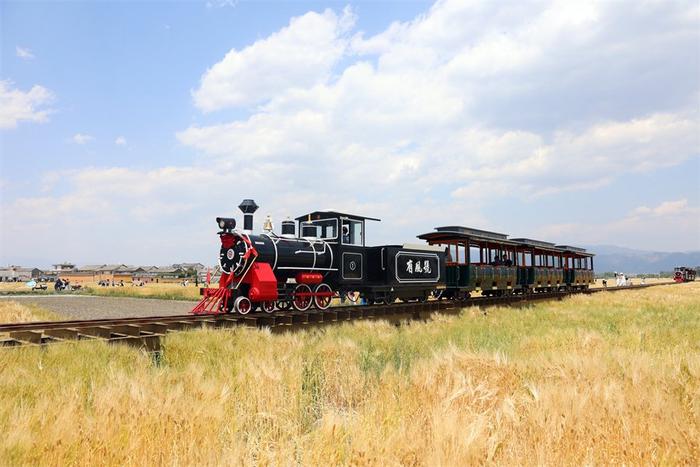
x,y
226,223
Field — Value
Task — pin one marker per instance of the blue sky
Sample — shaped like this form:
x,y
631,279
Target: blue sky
x,y
125,128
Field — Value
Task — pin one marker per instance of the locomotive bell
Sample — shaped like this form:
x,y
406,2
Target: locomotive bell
x,y
248,207
267,226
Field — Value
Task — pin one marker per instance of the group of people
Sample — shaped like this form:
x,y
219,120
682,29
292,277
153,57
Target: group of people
x,y
501,261
64,284
622,280
107,283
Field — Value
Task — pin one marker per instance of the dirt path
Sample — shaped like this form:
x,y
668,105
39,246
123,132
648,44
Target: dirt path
x,y
92,307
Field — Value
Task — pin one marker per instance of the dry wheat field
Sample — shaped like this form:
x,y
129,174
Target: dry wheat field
x,y
612,378
166,291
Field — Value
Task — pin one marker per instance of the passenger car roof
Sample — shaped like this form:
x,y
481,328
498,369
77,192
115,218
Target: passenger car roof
x,y
458,232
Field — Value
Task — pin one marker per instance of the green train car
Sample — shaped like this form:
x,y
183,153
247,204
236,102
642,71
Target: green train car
x,y
495,265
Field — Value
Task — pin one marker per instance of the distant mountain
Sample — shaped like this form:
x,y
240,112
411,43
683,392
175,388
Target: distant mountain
x,y
616,258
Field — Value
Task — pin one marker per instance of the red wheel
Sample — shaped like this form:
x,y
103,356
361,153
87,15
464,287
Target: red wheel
x,y
242,305
302,297
324,301
268,306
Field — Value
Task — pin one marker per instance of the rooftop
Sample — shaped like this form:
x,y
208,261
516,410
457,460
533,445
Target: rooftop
x,y
536,243
326,214
458,232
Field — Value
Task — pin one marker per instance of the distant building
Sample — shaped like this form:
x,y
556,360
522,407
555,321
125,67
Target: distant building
x,y
19,274
103,272
63,267
196,267
166,272
108,272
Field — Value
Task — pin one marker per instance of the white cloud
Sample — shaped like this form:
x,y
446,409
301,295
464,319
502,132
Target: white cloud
x,y
670,225
410,108
16,105
221,3
120,141
80,138
24,53
299,55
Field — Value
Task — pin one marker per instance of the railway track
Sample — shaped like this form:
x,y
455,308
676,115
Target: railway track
x,y
146,332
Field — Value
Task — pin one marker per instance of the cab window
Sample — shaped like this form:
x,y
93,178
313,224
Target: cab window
x,y
352,233
326,229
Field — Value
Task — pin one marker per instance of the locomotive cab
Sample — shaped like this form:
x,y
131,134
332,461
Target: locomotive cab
x,y
345,235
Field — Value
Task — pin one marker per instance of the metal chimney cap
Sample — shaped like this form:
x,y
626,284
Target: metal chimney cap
x,y
248,206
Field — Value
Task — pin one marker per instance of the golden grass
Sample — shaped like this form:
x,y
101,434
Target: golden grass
x,y
605,379
168,291
21,287
14,312
150,290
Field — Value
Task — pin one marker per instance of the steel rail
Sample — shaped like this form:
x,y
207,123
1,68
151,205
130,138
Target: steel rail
x,y
146,331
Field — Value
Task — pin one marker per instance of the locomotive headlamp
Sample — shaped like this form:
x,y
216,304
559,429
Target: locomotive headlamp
x,y
226,224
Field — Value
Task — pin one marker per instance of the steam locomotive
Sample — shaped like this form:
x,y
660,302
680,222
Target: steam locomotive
x,y
683,274
329,258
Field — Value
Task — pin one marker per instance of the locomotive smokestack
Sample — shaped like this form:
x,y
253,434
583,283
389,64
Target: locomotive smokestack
x,y
248,207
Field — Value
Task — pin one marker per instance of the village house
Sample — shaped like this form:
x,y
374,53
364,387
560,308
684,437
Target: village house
x,y
116,273
103,272
19,274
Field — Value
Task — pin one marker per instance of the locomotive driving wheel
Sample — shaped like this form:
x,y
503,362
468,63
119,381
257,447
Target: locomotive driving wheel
x,y
268,306
302,297
324,301
242,305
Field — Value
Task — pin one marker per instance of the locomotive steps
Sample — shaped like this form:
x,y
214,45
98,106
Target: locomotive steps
x,y
146,332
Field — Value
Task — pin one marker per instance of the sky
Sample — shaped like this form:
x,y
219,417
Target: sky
x,y
127,127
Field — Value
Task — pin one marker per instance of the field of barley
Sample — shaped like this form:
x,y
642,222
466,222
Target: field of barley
x,y
609,378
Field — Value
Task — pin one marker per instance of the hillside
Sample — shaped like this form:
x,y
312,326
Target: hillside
x,y
615,258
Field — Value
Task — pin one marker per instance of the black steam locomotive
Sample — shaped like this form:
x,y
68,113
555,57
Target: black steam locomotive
x,y
328,258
